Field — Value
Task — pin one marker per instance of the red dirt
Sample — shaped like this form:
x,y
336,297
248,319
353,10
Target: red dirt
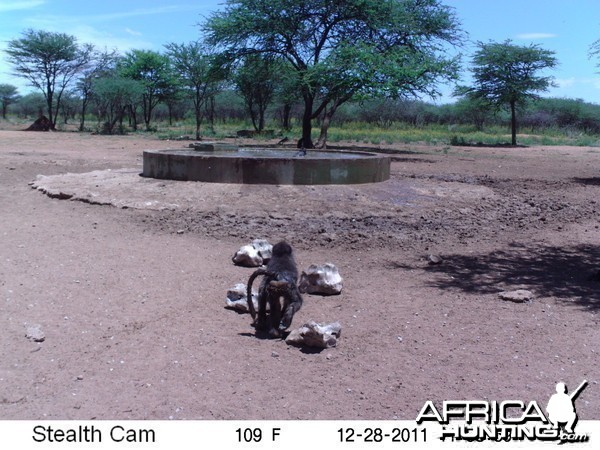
x,y
131,298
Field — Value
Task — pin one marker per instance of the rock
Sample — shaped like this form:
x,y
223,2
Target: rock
x,y
518,296
253,255
212,146
247,256
434,259
313,334
246,133
238,300
254,133
322,279
35,333
264,249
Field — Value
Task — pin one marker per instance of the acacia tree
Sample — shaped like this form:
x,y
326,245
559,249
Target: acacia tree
x,y
393,46
101,64
31,104
595,50
49,62
8,96
256,80
114,96
286,94
196,68
507,75
154,72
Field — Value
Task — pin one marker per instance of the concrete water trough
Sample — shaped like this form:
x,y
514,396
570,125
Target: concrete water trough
x,y
252,165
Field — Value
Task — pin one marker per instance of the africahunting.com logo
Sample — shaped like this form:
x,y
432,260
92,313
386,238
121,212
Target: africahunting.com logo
x,y
510,420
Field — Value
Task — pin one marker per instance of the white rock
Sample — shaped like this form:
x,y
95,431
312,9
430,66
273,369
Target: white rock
x,y
518,296
322,279
264,249
434,260
35,333
313,334
253,255
247,256
238,300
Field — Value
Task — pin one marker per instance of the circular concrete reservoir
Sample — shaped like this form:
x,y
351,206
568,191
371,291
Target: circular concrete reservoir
x,y
251,165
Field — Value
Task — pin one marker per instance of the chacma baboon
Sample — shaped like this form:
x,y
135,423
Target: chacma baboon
x,y
279,282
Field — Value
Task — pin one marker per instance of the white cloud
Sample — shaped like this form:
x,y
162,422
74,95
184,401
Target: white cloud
x,y
86,34
132,32
124,41
123,38
15,6
593,82
536,36
565,82
41,21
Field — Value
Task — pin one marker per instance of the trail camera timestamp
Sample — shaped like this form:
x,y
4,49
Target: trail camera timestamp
x,y
367,435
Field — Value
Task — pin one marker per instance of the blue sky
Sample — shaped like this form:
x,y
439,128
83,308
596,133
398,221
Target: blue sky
x,y
567,27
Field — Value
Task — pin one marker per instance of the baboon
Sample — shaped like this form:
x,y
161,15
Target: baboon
x,y
279,281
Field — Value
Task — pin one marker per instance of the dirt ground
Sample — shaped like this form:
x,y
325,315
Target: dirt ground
x,y
128,285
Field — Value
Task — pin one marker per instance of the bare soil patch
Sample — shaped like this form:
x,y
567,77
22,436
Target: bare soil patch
x,y
126,278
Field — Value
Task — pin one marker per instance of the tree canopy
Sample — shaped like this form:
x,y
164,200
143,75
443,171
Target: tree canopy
x,y
113,96
153,71
595,50
49,62
8,95
256,79
199,74
340,49
506,75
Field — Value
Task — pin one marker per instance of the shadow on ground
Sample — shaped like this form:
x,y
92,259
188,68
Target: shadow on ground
x,y
592,181
568,273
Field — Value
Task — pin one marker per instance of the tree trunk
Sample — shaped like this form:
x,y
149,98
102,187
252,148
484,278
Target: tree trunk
x,y
198,111
252,112
285,120
133,117
198,123
147,110
83,109
325,122
307,122
49,100
513,122
210,110
261,119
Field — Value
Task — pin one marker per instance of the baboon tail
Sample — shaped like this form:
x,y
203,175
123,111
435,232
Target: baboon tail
x,y
249,290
